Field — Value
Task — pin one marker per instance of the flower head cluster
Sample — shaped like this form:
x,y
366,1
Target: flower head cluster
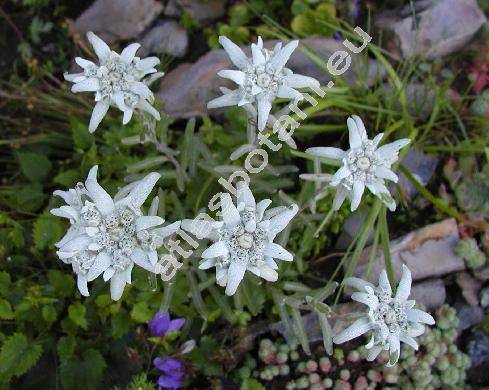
x,y
363,165
118,79
261,78
161,325
391,319
243,239
173,372
106,236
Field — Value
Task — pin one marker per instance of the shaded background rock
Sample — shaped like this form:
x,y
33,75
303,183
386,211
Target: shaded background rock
x,y
167,37
430,293
421,165
428,252
439,27
468,315
201,11
187,89
117,20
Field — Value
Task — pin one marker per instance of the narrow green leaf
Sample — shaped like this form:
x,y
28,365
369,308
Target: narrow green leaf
x,y
299,329
384,240
326,332
196,296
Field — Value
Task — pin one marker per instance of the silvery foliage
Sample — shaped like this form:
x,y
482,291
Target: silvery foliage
x,y
107,237
365,164
390,319
261,78
119,80
243,240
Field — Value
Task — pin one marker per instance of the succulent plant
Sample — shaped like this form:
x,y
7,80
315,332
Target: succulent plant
x,y
473,194
468,250
437,364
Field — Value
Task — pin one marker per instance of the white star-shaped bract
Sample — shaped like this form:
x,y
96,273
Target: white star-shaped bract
x,y
107,237
243,239
119,80
261,78
363,165
391,319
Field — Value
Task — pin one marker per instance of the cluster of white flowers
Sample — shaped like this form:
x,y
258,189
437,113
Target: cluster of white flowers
x,y
391,319
261,78
363,165
107,237
244,238
119,79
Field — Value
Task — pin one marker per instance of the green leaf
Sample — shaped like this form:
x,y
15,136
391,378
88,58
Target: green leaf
x,y
141,313
49,313
66,347
17,356
87,370
47,231
6,312
120,324
4,283
67,178
251,384
202,356
61,282
29,197
76,313
34,166
81,137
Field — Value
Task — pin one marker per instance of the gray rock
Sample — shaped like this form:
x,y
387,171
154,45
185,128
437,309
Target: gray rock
x,y
470,287
478,349
428,252
421,165
351,227
468,315
167,37
117,20
201,11
430,293
187,89
419,97
439,27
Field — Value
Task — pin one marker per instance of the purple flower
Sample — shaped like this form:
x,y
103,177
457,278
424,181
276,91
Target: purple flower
x,y
161,324
173,372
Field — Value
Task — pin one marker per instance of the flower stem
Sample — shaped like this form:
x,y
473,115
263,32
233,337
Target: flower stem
x,y
384,238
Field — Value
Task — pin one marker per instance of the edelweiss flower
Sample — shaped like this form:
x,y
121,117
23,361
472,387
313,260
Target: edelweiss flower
x,y
107,237
118,80
391,319
363,165
261,78
243,239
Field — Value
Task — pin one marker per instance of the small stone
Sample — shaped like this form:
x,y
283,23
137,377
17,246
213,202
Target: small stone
x,y
421,165
467,315
117,20
202,11
440,27
431,293
167,37
470,287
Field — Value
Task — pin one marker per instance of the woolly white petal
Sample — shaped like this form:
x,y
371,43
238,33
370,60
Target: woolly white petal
x,y
386,173
228,99
234,75
384,282
280,221
332,153
268,273
289,93
100,264
245,195
415,315
368,299
340,174
215,250
409,341
199,227
145,222
145,106
257,55
264,107
98,114
404,287
141,191
389,152
141,89
101,49
373,352
81,283
277,252
167,231
230,214
358,189
281,58
261,207
357,283
88,85
208,263
359,327
236,273
362,132
354,137
117,284
235,54
340,196
129,52
100,197
394,349
300,81
85,64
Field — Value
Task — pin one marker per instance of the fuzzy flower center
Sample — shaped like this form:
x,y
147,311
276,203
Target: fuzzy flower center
x,y
390,313
362,162
81,263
